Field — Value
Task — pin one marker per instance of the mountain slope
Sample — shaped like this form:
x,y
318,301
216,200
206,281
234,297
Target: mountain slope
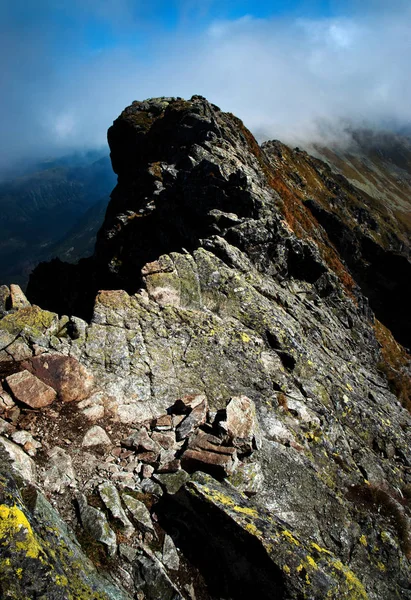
x,y
222,426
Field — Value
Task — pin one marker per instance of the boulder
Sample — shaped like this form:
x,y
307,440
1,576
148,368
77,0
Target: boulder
x,y
70,379
30,390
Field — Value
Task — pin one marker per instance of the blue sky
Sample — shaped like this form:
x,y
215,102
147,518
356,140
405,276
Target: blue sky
x,y
68,67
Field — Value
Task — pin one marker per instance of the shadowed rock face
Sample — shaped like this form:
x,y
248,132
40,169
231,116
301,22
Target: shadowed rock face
x,y
232,339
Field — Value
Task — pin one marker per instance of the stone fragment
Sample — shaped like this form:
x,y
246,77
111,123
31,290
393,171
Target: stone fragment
x,y
17,297
139,512
241,423
127,552
60,473
151,579
205,452
25,439
147,471
150,487
166,439
218,465
194,419
29,390
96,436
21,462
163,423
110,496
70,379
170,558
172,482
19,350
95,524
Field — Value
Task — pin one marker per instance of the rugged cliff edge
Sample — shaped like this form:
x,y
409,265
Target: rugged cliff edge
x,y
231,420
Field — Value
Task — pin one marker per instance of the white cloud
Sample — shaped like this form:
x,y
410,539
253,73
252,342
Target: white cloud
x,y
287,79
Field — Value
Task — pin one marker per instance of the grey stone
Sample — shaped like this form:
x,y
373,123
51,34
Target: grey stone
x,y
95,523
21,462
170,557
150,487
172,482
59,472
111,498
139,512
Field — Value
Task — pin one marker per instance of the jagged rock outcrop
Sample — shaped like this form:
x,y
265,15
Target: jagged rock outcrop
x,y
230,338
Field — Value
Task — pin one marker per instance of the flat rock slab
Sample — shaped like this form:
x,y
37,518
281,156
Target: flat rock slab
x,y
70,379
29,390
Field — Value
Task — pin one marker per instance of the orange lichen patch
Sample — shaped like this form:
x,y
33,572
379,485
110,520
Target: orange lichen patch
x,y
395,364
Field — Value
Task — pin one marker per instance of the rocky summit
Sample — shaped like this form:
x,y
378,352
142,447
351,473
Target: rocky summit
x,y
216,404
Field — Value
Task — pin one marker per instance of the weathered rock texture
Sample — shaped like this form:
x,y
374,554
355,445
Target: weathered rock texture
x,y
234,341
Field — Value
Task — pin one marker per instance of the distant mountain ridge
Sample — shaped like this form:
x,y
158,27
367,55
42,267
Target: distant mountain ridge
x,y
38,210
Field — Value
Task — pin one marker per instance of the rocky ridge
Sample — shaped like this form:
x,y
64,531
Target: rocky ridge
x,y
222,425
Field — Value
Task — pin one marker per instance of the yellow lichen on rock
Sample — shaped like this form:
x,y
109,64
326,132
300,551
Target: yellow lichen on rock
x,y
15,529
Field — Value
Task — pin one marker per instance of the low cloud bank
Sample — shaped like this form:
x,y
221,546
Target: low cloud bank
x,y
297,80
